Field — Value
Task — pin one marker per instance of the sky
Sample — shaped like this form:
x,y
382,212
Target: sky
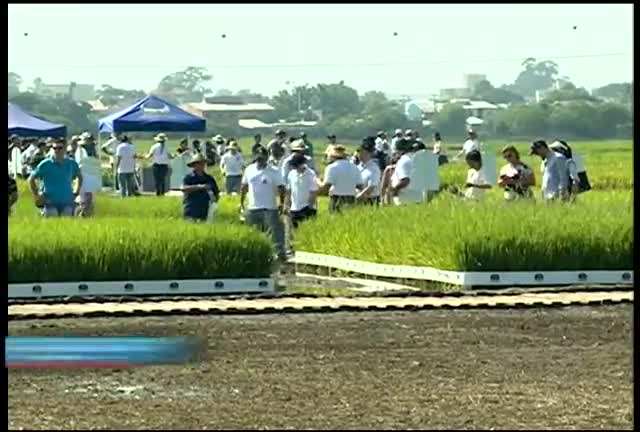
x,y
134,46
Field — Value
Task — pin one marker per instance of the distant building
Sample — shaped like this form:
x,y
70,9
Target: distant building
x,y
227,109
472,79
78,92
454,93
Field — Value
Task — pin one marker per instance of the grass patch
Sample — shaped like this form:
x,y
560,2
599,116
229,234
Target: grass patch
x,y
110,249
596,233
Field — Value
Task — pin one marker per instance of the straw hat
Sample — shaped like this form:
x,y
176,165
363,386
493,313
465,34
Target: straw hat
x,y
298,145
160,137
337,152
196,158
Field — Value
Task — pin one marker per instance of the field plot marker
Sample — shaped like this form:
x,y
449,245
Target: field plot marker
x,y
141,288
469,279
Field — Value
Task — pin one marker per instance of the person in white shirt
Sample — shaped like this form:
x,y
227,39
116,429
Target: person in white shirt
x,y
231,165
555,179
396,136
297,147
341,180
302,191
370,173
109,148
516,178
401,189
476,183
440,149
277,148
472,143
220,146
382,150
86,156
126,166
159,153
263,183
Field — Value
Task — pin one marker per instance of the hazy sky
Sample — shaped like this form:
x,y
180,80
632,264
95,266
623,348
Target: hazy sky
x,y
134,46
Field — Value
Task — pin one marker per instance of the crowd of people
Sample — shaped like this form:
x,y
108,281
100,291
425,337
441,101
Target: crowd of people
x,y
282,177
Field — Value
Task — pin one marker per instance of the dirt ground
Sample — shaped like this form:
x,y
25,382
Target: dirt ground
x,y
475,369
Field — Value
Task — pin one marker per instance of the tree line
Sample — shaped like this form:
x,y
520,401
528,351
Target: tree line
x,y
539,102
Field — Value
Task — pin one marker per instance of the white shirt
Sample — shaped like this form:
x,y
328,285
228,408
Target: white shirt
x,y
393,144
554,176
232,164
343,177
160,156
371,174
404,169
263,186
301,186
381,145
470,145
111,146
439,148
475,177
127,153
29,152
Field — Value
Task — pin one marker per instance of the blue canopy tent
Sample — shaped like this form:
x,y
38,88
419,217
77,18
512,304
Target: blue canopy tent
x,y
152,114
24,124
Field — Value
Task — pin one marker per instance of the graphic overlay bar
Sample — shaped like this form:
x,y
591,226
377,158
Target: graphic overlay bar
x,y
99,352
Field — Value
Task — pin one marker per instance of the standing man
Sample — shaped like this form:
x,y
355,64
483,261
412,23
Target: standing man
x,y
278,147
472,143
302,191
370,173
554,172
308,145
161,159
257,144
397,135
109,148
13,193
126,167
341,180
401,188
263,183
297,148
382,149
200,190
231,164
56,194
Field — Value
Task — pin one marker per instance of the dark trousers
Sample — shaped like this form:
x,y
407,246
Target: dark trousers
x,y
297,217
127,184
336,203
160,173
374,201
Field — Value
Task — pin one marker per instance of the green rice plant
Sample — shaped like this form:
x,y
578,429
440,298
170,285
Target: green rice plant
x,y
110,249
593,234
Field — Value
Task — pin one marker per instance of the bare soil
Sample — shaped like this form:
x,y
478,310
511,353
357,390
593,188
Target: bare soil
x,y
473,369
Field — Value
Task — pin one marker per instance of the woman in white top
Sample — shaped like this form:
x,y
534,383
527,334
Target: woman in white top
x,y
476,183
161,159
87,158
515,177
439,149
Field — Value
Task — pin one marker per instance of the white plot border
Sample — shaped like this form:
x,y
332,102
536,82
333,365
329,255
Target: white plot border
x,y
136,288
496,278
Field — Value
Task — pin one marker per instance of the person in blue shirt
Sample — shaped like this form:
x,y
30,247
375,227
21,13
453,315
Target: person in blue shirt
x,y
200,190
56,195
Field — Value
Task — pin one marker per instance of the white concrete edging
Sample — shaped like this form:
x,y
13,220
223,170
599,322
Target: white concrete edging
x,y
120,288
497,278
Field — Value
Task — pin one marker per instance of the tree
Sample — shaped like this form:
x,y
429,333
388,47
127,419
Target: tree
x,y
484,90
336,100
111,96
188,85
224,92
569,92
374,102
15,80
451,120
535,76
616,92
575,119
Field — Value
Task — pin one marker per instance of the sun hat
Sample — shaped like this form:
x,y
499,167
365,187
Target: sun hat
x,y
338,152
398,132
298,145
196,158
160,137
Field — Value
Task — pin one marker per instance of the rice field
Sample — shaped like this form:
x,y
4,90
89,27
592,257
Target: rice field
x,y
146,238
